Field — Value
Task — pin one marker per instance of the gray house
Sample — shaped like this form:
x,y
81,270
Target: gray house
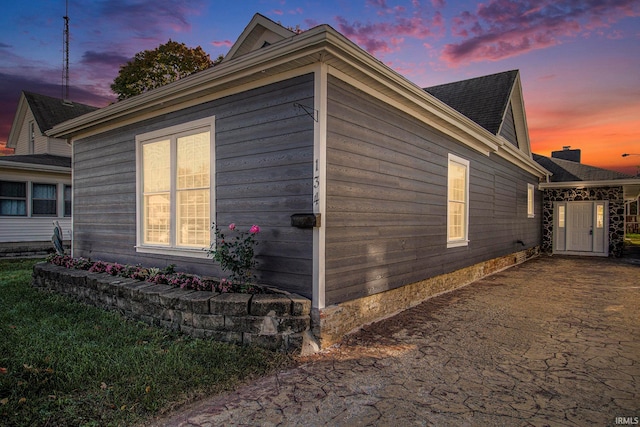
x,y
584,206
402,195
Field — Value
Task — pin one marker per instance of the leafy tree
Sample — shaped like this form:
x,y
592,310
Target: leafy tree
x,y
150,69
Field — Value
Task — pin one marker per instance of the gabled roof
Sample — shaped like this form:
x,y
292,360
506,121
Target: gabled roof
x,y
321,50
36,161
260,32
483,99
568,171
47,111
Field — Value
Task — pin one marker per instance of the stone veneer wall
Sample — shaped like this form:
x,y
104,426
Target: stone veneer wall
x,y
615,197
277,321
332,323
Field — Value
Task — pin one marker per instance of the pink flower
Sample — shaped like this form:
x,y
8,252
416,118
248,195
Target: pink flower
x,y
232,226
254,229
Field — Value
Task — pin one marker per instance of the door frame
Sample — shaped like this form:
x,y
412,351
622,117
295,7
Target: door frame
x,y
562,228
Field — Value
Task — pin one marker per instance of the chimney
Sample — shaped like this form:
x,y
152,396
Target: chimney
x,y
567,154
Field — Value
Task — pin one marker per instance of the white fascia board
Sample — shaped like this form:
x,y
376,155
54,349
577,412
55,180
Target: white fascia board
x,y
585,184
518,158
457,125
18,119
320,43
173,95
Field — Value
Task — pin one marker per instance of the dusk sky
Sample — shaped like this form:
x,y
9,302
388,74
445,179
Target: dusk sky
x,y
579,60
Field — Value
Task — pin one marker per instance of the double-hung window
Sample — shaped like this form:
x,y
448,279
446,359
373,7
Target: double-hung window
x,y
531,211
13,198
44,199
175,184
67,200
457,202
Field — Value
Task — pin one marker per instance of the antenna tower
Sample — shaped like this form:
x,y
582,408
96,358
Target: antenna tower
x,y
65,67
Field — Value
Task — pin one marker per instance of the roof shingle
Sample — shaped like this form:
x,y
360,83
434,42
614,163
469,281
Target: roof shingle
x,y
49,111
482,99
568,171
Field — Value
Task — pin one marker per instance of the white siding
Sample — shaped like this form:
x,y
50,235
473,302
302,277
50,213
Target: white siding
x,y
43,144
23,229
58,147
35,229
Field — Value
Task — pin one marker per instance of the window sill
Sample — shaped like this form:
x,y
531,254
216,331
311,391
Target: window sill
x,y
181,252
457,244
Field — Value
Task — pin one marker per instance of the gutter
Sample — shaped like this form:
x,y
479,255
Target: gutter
x,y
34,167
319,44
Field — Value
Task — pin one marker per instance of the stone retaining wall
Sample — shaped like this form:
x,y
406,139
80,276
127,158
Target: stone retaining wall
x,y
277,321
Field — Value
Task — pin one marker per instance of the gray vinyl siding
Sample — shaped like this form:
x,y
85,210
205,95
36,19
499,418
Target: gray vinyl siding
x,y
264,171
508,130
387,194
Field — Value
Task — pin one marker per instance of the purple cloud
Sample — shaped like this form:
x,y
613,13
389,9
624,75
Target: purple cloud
x,y
109,59
386,36
502,28
150,18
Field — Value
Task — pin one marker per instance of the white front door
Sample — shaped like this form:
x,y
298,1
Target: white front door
x,y
580,226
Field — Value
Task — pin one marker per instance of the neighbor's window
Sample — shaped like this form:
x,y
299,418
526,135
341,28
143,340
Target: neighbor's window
x,y
458,202
13,198
67,200
530,201
32,137
175,174
44,199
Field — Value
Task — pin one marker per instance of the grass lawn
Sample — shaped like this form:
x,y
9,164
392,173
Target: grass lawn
x,y
633,239
63,363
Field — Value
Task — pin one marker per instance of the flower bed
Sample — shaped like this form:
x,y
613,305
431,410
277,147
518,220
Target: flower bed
x,y
166,276
266,317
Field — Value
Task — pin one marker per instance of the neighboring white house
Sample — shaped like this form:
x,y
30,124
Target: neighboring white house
x,y
35,182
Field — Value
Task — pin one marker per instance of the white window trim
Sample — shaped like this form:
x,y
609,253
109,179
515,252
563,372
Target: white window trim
x,y
531,206
455,243
209,123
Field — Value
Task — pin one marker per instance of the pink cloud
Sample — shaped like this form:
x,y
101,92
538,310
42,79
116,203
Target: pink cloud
x,y
387,35
503,28
222,43
277,12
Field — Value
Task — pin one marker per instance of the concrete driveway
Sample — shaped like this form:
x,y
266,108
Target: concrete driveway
x,y
552,342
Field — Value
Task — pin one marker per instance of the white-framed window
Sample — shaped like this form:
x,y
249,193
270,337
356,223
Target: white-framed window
x,y
561,215
44,199
67,191
32,137
175,172
35,199
13,198
457,202
531,210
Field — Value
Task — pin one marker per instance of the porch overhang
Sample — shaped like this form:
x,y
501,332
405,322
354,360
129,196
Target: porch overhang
x,y
630,187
